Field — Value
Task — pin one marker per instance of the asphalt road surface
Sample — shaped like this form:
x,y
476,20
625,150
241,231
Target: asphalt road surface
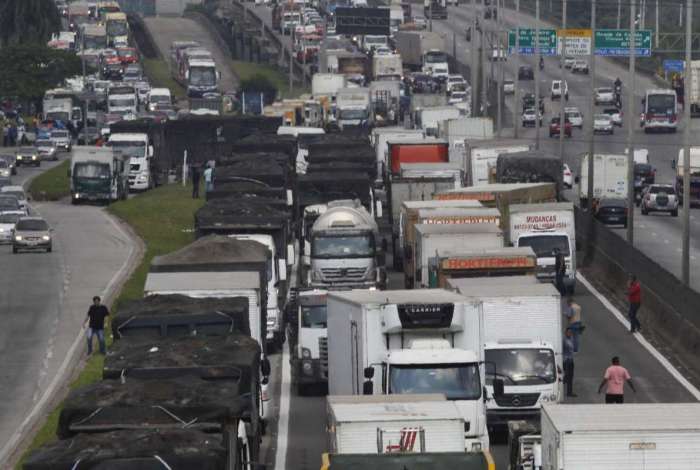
x,y
44,299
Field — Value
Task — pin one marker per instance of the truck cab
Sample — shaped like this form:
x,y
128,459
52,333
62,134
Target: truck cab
x,y
309,340
352,107
201,77
98,174
435,63
140,151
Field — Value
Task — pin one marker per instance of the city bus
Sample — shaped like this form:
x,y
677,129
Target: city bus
x,y
117,29
660,111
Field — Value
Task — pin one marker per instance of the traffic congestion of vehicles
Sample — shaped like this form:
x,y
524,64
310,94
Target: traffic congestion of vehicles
x,y
410,263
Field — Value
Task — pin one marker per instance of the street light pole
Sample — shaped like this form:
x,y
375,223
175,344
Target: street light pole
x,y
537,74
591,110
562,116
686,144
630,128
499,80
516,94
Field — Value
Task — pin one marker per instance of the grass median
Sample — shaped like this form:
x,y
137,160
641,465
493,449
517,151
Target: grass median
x,y
52,184
159,73
247,70
164,219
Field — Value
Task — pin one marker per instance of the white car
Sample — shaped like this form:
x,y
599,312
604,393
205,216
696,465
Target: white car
x,y
569,62
604,95
7,227
440,73
530,116
383,51
602,123
18,192
557,90
567,176
574,115
660,198
615,114
455,79
509,87
457,96
580,66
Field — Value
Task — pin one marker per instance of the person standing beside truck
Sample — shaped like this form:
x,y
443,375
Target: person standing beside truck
x,y
568,355
634,295
573,315
208,179
195,181
615,378
95,322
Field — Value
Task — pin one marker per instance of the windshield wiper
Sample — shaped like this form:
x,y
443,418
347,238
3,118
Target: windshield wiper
x,y
543,379
503,376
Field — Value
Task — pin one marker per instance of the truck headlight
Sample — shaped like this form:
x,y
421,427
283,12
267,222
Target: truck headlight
x,y
305,353
476,446
307,368
18,238
33,157
46,238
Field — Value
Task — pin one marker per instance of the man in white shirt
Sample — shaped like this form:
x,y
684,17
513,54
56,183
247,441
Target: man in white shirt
x,y
209,179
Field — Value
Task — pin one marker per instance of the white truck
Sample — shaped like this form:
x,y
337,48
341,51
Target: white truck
x,y
387,67
308,340
610,177
413,45
649,436
381,136
138,147
159,97
481,157
386,424
436,239
327,84
522,335
385,98
352,107
464,128
546,227
373,41
394,343
123,100
430,118
201,77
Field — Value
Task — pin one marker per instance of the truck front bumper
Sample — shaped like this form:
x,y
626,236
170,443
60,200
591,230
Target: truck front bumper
x,y
500,417
308,371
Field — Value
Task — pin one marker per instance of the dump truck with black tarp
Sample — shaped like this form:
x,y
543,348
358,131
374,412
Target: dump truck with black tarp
x,y
151,449
243,189
533,166
178,315
409,461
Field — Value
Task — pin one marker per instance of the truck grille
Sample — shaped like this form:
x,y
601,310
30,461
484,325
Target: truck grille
x,y
515,400
323,355
340,274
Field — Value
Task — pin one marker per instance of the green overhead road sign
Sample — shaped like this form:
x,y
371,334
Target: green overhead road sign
x,y
616,42
548,41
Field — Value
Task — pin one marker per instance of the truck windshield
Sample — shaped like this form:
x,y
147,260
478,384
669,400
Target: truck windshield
x,y
355,246
313,316
122,102
95,42
132,149
520,366
353,114
435,57
58,116
202,76
91,170
544,245
117,28
456,381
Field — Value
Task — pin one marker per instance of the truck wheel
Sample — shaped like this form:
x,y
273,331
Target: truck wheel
x,y
302,389
674,213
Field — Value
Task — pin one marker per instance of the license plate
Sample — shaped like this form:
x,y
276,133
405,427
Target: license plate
x,y
613,218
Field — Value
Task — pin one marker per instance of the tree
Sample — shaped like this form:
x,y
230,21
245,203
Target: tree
x,y
28,21
27,71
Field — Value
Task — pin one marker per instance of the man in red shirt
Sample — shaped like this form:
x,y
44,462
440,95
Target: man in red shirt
x,y
615,378
634,295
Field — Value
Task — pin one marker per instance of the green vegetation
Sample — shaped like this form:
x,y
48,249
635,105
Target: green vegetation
x,y
25,21
246,71
52,184
158,72
163,218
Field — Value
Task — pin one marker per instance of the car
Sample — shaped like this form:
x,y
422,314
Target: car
x,y
440,73
603,124
47,149
10,161
555,128
530,117
508,87
615,114
574,115
457,96
659,198
9,204
27,156
454,79
7,227
525,72
62,139
32,233
612,211
529,102
604,95
567,176
420,22
557,90
382,51
5,181
645,173
580,66
133,73
5,169
569,62
18,192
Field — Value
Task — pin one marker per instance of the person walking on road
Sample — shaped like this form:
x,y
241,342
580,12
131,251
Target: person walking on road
x,y
573,317
615,378
208,179
95,322
634,295
568,354
195,181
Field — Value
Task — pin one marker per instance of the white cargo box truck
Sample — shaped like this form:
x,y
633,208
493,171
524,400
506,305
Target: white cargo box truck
x,y
635,436
482,156
370,424
546,227
610,177
327,84
429,118
522,334
435,239
458,131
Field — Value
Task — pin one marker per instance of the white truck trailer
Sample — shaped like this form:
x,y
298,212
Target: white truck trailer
x,y
406,342
481,157
649,436
352,107
522,334
461,130
413,45
430,118
546,227
610,177
386,424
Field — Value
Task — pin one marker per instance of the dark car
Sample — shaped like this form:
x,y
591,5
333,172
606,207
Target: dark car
x,y
612,211
645,173
554,128
529,102
525,72
423,83
5,181
10,161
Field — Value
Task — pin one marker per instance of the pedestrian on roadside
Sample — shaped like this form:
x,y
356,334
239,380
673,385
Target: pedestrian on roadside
x,y
209,179
95,323
195,181
568,355
573,317
6,135
559,271
634,296
615,378
13,135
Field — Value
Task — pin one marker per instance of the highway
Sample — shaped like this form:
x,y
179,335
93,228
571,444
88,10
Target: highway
x,y
44,300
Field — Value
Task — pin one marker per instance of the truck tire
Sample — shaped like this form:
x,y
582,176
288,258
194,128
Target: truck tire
x,y
302,389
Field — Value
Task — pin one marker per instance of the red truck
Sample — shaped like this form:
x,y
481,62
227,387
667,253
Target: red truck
x,y
417,152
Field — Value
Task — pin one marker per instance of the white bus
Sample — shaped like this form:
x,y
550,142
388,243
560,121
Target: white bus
x,y
660,111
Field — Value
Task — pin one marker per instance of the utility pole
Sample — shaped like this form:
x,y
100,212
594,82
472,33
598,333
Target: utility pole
x,y
482,70
591,113
537,74
686,150
430,15
291,71
85,104
630,127
499,91
619,13
516,94
562,116
473,50
656,24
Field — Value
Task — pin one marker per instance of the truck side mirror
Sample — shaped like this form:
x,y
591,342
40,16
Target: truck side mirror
x,y
282,268
369,372
577,180
265,366
498,387
367,387
150,150
290,255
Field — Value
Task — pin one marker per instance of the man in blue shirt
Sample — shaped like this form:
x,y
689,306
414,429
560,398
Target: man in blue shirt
x,y
568,356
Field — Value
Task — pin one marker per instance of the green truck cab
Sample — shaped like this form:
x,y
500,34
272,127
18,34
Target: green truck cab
x,y
98,174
